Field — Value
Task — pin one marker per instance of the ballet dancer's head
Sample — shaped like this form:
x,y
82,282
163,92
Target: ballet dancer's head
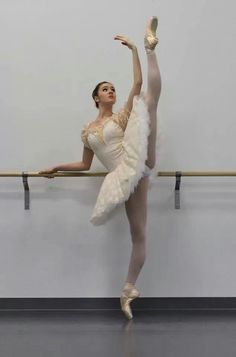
x,y
104,94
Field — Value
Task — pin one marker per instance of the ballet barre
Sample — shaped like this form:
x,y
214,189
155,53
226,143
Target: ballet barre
x,y
176,174
25,176
179,174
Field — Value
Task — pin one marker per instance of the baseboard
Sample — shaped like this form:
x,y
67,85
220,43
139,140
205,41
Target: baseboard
x,y
153,303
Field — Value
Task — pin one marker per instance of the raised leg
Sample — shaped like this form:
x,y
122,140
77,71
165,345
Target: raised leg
x,y
153,88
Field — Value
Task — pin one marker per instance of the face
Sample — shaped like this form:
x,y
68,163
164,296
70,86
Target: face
x,y
107,93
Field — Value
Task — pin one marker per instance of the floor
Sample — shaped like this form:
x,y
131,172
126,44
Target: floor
x,y
108,333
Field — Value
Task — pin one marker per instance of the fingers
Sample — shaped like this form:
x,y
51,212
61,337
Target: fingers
x,y
124,40
121,38
46,174
47,171
43,172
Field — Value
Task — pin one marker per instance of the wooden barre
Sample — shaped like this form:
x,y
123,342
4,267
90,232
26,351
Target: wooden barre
x,y
197,173
57,174
177,174
84,174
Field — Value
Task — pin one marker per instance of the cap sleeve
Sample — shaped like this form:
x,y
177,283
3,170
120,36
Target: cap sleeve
x,y
122,117
84,136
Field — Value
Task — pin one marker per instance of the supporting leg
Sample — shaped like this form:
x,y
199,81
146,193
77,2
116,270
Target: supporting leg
x,y
136,210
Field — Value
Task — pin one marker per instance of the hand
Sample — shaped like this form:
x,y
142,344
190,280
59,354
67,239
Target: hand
x,y
48,172
125,41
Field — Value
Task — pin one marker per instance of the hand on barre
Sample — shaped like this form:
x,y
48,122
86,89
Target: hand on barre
x,y
49,172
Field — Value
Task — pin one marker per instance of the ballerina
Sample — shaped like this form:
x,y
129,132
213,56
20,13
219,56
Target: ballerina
x,y
125,142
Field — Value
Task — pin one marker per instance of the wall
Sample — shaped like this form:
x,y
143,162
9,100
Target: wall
x,y
52,55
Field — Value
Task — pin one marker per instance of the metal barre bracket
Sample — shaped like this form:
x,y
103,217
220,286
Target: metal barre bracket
x,y
177,189
26,190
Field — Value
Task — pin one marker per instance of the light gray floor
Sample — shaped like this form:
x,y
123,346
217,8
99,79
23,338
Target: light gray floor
x,y
107,333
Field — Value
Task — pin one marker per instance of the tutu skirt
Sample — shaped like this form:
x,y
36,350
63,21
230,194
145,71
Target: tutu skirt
x,y
121,182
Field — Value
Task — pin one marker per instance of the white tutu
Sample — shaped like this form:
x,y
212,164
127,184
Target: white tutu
x,y
121,182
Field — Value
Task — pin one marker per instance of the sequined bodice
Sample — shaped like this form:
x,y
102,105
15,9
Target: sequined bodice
x,y
106,139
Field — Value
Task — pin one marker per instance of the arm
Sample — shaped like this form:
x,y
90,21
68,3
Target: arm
x,y
137,83
83,165
137,73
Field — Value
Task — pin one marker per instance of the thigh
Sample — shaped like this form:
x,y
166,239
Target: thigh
x,y
136,205
151,147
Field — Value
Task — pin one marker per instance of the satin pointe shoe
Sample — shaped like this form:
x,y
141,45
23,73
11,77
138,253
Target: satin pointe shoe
x,y
129,293
150,38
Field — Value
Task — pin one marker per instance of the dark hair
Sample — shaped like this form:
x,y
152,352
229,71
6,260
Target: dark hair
x,y
95,92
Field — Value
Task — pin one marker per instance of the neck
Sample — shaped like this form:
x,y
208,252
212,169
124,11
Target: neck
x,y
105,111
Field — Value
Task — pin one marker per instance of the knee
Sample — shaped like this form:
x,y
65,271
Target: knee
x,y
151,161
151,164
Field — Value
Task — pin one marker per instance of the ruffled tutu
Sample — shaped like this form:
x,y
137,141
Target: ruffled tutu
x,y
121,182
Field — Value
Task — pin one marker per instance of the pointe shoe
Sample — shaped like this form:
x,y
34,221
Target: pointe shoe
x,y
129,293
150,38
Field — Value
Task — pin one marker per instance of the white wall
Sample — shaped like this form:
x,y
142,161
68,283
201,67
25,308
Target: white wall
x,y
52,54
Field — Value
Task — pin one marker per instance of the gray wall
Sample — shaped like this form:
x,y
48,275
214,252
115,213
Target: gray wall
x,y
52,55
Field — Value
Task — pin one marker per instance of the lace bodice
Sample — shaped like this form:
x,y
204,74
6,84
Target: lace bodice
x,y
106,139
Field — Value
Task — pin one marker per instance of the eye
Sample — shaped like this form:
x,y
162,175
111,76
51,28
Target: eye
x,y
104,89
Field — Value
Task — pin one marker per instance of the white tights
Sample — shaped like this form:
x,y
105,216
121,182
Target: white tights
x,y
136,205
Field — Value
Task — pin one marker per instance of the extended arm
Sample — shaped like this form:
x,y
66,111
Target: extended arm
x,y
137,73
